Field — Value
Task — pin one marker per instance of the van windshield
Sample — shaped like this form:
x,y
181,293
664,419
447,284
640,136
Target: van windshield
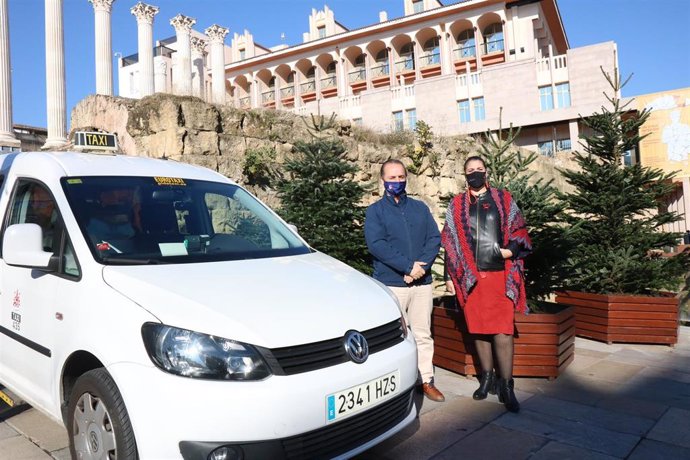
x,y
140,220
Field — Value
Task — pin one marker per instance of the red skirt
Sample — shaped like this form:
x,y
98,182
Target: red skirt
x,y
488,310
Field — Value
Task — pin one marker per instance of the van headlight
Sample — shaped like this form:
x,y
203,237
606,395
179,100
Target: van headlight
x,y
192,354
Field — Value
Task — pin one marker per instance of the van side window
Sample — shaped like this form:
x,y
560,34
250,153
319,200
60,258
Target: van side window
x,y
34,204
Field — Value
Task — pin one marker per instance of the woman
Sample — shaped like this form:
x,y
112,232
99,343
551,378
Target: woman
x,y
485,239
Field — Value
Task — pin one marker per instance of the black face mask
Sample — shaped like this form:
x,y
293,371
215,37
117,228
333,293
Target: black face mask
x,y
476,179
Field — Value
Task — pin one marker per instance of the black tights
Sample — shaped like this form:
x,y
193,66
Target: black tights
x,y
502,350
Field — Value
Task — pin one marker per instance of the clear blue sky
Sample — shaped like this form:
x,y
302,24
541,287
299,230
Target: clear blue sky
x,y
652,37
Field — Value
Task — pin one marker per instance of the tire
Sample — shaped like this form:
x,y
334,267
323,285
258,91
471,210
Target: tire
x,y
97,421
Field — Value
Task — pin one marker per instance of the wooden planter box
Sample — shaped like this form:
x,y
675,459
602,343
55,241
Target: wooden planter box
x,y
544,342
624,318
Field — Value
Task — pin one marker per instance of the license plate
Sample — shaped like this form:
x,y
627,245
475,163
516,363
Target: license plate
x,y
347,402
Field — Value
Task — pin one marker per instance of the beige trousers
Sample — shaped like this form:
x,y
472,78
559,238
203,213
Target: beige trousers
x,y
417,305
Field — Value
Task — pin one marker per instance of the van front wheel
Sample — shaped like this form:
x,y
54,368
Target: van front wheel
x,y
98,424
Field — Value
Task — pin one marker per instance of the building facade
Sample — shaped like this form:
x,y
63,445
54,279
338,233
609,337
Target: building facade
x,y
459,67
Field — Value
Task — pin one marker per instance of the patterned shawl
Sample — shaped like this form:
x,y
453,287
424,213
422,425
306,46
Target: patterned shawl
x,y
457,240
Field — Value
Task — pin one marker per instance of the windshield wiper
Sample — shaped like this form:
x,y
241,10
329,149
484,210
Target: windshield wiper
x,y
129,261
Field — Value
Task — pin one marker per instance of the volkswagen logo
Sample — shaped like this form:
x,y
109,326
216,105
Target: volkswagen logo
x,y
356,347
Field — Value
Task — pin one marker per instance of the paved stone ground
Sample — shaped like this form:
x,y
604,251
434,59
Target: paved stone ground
x,y
613,401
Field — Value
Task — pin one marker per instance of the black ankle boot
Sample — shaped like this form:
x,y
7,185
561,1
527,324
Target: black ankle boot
x,y
507,396
487,384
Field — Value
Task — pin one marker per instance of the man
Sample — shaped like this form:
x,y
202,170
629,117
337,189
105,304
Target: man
x,y
42,212
404,240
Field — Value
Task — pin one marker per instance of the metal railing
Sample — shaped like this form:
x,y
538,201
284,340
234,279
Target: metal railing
x,y
245,102
329,82
268,96
465,52
493,46
308,86
287,91
430,59
357,75
380,71
404,64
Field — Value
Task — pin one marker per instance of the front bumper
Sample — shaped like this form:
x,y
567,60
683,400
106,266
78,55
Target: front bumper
x,y
170,413
344,438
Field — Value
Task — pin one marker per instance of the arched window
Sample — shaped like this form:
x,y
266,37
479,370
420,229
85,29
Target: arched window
x,y
382,56
309,86
407,58
272,83
432,53
466,48
329,81
381,67
359,72
493,38
359,62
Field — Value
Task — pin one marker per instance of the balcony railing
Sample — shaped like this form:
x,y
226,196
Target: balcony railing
x,y
329,82
288,91
245,102
473,78
357,75
404,64
308,86
493,46
465,52
380,71
268,96
430,59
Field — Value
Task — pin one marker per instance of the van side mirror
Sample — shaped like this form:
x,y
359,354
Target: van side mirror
x,y
22,245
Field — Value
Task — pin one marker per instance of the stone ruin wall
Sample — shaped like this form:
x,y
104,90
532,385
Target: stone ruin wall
x,y
187,129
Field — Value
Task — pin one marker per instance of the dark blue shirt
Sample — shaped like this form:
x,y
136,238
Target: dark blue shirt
x,y
399,234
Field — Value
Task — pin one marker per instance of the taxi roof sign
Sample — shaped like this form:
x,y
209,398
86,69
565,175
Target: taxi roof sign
x,y
95,141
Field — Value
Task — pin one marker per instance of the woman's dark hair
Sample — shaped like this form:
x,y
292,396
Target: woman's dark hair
x,y
392,161
473,158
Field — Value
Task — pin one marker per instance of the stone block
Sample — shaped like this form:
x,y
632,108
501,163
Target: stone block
x,y
166,143
495,443
48,434
648,449
573,432
196,114
673,428
201,143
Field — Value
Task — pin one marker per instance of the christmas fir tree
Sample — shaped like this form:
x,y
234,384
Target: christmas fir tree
x,y
616,210
321,199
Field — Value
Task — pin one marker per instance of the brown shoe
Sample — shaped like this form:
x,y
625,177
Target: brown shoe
x,y
431,392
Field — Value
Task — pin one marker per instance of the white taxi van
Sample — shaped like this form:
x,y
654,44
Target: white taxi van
x,y
161,311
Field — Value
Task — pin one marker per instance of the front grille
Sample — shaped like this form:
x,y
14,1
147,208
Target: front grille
x,y
318,355
340,437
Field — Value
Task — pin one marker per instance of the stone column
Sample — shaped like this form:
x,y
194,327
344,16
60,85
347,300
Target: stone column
x,y
198,72
144,14
55,75
182,84
7,137
160,76
104,46
216,35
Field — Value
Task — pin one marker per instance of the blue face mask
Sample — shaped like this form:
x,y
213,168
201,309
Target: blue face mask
x,y
395,188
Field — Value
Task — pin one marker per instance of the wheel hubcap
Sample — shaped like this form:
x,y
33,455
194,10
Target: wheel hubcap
x,y
94,438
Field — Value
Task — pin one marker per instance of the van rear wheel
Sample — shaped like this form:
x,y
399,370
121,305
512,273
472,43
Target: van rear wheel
x,y
98,423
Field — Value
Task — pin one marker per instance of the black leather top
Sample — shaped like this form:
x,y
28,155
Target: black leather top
x,y
485,228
